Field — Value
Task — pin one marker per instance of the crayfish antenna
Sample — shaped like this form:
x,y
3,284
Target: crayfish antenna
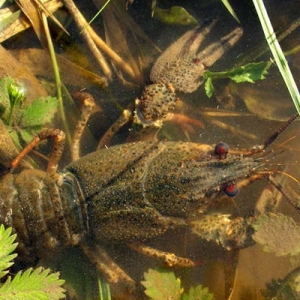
x,y
276,184
279,187
275,135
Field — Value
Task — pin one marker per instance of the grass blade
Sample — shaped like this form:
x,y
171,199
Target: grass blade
x,y
277,52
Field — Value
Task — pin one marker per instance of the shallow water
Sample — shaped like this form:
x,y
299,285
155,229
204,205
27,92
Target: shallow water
x,y
259,110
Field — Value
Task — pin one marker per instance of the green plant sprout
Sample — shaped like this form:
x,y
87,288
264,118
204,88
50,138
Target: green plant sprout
x,y
31,284
16,98
23,122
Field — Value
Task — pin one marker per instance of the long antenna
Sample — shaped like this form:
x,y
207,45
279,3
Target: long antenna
x,y
275,135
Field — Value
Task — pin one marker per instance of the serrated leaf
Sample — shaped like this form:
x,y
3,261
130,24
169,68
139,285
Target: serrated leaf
x,y
32,285
7,246
198,293
39,112
250,72
176,15
277,233
162,285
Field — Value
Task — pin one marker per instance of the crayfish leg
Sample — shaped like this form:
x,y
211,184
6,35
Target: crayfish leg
x,y
111,271
88,104
169,258
125,117
58,137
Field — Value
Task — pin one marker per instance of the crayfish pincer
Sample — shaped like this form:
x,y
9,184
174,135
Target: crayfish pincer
x,y
125,194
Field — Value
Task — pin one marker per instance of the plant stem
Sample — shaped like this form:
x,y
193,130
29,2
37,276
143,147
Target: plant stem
x,y
10,118
57,78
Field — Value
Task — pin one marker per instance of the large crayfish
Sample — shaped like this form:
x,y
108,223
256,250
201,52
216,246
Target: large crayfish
x,y
124,194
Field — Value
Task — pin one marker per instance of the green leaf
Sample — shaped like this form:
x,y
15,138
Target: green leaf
x,y
209,87
247,73
277,233
198,293
176,15
7,246
162,285
250,72
39,112
33,285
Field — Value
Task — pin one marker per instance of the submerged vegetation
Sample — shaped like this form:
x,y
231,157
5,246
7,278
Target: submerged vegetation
x,y
162,284
32,284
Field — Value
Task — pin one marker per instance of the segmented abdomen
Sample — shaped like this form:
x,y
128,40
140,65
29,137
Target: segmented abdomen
x,y
45,215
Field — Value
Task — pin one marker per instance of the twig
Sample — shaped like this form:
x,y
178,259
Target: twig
x,y
96,40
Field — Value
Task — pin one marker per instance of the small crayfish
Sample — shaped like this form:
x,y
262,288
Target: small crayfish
x,y
180,68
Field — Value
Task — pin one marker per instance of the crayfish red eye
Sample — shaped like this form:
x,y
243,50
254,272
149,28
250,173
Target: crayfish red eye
x,y
221,150
231,189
